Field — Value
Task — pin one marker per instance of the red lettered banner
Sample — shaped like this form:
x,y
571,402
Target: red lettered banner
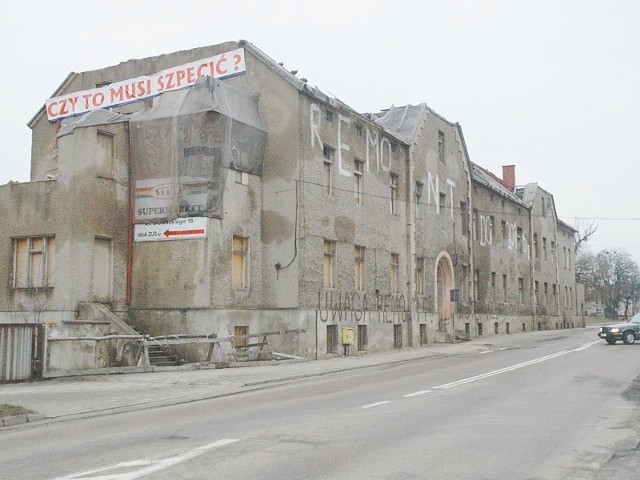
x,y
221,66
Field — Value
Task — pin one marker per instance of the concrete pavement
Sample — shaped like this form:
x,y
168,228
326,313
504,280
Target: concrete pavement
x,y
91,395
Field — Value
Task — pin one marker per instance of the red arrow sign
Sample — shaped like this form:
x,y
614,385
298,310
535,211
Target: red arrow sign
x,y
169,233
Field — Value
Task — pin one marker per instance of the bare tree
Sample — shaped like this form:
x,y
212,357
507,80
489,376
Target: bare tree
x,y
584,230
610,277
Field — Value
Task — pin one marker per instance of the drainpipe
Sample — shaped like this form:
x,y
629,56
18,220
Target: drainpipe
x,y
130,239
532,259
411,241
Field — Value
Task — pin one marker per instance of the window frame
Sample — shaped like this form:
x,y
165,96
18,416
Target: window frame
x,y
359,277
45,266
240,259
329,263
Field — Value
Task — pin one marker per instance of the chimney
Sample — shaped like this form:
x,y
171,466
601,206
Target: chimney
x,y
509,176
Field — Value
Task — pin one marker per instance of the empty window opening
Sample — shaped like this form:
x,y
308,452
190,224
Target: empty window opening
x,y
362,338
397,336
332,339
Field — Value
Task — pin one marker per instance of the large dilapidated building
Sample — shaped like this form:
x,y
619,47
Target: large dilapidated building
x,y
213,192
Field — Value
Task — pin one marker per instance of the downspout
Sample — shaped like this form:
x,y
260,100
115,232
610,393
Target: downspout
x,y
411,237
532,253
130,236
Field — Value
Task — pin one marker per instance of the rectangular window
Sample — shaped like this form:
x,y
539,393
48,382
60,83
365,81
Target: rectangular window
x,y
570,297
465,218
397,336
242,177
569,258
240,262
441,146
358,129
492,222
329,263
566,297
327,169
553,251
33,262
493,286
564,256
420,275
505,297
544,248
105,155
554,289
464,285
519,242
505,234
546,294
442,199
536,287
521,290
359,273
240,331
102,274
423,334
332,339
419,187
536,253
477,285
394,269
362,338
328,115
393,186
358,170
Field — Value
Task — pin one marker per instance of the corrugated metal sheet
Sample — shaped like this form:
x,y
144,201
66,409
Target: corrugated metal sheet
x,y
18,352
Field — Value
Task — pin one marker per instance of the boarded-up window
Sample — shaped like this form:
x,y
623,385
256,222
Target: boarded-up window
x,y
329,264
102,270
240,331
394,267
240,266
420,275
359,267
105,155
33,262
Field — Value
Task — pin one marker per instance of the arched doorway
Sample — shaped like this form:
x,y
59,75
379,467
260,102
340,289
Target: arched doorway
x,y
444,284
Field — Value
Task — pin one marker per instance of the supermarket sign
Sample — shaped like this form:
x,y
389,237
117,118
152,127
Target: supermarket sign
x,y
221,66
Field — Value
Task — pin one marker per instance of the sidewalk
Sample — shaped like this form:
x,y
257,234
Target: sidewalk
x,y
95,394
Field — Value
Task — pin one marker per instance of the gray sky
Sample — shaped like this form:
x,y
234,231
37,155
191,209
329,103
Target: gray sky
x,y
551,86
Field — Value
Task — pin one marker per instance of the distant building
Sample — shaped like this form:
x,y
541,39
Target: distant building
x,y
176,203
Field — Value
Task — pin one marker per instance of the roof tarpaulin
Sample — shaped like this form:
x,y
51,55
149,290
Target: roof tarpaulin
x,y
182,148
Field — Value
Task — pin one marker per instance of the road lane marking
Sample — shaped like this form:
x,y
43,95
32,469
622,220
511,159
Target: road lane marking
x,y
586,345
415,394
145,467
500,371
375,404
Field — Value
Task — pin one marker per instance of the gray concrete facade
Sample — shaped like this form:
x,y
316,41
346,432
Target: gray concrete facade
x,y
362,223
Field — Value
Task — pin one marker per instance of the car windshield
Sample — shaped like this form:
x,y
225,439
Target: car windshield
x,y
635,318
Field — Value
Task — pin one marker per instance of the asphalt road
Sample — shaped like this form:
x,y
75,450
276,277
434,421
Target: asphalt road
x,y
552,407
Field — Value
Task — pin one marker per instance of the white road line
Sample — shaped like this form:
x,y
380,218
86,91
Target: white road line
x,y
586,345
415,394
375,404
145,467
501,371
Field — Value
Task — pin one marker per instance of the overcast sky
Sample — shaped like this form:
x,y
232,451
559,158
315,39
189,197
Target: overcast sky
x,y
550,86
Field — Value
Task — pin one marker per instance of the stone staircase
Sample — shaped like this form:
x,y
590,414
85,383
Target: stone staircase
x,y
159,355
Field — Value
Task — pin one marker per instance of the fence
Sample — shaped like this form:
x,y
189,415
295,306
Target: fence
x,y
21,352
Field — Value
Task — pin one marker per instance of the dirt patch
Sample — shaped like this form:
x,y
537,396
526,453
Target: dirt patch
x,y
7,410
